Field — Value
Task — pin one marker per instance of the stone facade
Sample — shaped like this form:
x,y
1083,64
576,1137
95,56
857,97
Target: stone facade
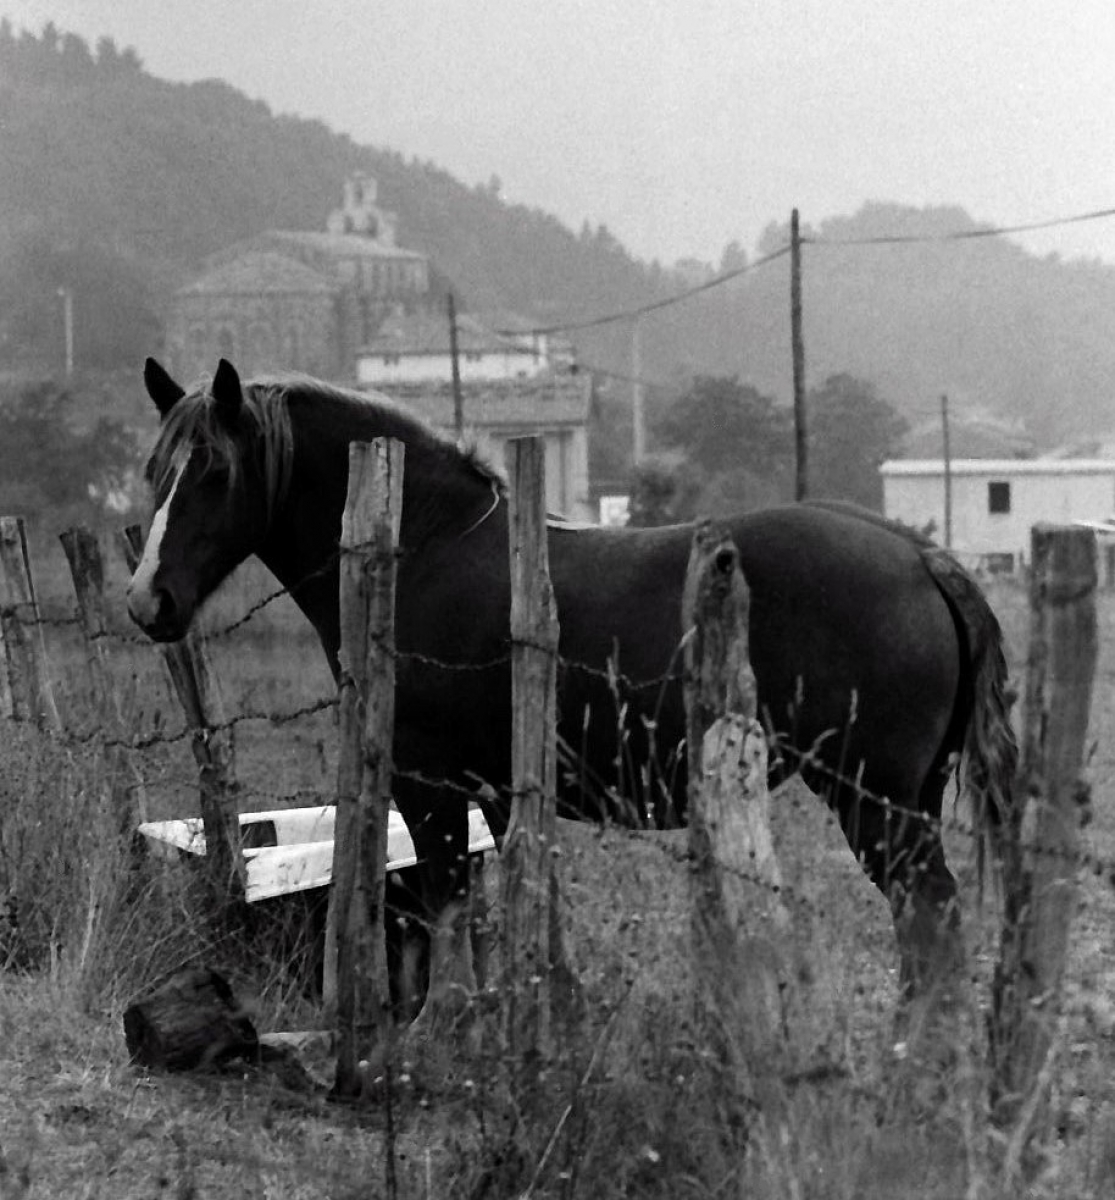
x,y
552,404
298,300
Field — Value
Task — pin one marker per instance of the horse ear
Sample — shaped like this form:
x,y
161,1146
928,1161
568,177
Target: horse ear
x,y
227,394
160,387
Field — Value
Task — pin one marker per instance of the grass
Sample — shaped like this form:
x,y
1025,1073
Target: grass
x,y
635,1104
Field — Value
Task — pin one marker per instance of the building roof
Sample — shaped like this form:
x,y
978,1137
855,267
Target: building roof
x,y
256,272
548,398
906,467
428,333
1098,445
971,438
341,245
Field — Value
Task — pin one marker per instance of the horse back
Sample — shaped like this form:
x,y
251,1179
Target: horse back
x,y
850,638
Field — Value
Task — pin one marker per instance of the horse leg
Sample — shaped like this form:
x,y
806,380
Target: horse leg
x,y
408,943
899,845
441,844
922,894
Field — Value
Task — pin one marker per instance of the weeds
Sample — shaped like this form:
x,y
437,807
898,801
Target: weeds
x,y
630,1107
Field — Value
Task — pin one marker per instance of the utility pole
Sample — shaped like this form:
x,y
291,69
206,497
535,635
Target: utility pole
x,y
68,324
638,419
455,359
947,452
797,347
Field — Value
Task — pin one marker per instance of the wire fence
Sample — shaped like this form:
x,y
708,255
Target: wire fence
x,y
623,685
637,698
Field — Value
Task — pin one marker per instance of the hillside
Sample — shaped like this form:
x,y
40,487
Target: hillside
x,y
123,182
1001,331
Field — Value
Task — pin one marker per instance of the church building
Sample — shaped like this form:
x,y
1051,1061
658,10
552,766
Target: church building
x,y
299,300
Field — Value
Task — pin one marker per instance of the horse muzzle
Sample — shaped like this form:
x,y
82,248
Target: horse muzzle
x,y
157,613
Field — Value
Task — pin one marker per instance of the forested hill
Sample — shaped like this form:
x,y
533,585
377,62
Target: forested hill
x,y
116,184
119,183
999,330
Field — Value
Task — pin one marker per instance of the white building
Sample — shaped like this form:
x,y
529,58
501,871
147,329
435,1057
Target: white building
x,y
994,502
414,347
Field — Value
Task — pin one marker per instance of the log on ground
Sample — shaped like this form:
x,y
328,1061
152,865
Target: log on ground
x,y
190,1021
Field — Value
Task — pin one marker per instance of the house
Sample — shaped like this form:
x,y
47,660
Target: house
x,y
299,300
994,502
509,389
415,346
553,405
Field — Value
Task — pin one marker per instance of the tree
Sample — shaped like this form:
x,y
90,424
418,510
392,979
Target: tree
x,y
661,494
852,431
115,317
736,446
734,258
723,426
46,463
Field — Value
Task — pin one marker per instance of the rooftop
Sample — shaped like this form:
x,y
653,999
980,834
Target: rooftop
x,y
257,272
551,398
342,245
999,466
428,333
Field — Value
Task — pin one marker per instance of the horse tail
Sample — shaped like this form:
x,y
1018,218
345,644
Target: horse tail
x,y
990,749
990,745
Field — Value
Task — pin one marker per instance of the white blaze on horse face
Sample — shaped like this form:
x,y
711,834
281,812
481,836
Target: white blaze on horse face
x,y
143,602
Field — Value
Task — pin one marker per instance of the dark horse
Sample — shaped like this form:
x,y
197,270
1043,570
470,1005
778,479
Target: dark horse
x,y
877,658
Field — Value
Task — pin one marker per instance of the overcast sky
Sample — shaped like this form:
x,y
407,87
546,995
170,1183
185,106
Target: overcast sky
x,y
682,124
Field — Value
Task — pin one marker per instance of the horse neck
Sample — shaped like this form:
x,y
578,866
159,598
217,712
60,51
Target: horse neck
x,y
443,496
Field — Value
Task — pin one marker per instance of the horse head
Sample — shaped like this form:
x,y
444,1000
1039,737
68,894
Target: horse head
x,y
211,496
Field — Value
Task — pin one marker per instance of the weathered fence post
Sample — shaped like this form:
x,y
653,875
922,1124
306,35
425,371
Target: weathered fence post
x,y
737,917
83,553
528,869
24,646
195,685
369,534
1042,835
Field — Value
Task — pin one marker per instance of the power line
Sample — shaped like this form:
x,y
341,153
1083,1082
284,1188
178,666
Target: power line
x,y
895,239
630,313
961,235
624,377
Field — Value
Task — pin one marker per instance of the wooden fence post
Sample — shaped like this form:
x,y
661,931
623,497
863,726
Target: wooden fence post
x,y
737,917
24,646
83,553
528,869
369,534
195,685
1042,835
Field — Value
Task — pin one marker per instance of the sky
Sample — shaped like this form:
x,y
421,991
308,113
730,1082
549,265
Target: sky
x,y
682,125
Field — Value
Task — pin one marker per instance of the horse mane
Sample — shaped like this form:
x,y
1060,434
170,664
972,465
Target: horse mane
x,y
194,423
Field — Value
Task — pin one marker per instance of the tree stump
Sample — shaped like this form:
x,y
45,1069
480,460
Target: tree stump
x,y
191,1021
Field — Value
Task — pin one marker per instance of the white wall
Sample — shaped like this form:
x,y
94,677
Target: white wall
x,y
566,465
1059,497
371,368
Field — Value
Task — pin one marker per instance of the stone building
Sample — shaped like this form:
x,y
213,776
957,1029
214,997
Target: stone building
x,y
510,387
299,300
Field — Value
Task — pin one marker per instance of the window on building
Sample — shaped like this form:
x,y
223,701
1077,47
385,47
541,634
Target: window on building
x,y
998,564
998,497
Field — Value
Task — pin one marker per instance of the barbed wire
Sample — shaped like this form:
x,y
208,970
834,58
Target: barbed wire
x,y
618,682
808,759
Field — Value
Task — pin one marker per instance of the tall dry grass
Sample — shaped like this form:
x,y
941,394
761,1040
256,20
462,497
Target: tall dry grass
x,y
634,1104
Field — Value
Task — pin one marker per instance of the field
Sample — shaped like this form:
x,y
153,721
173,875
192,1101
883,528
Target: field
x,y
632,1108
